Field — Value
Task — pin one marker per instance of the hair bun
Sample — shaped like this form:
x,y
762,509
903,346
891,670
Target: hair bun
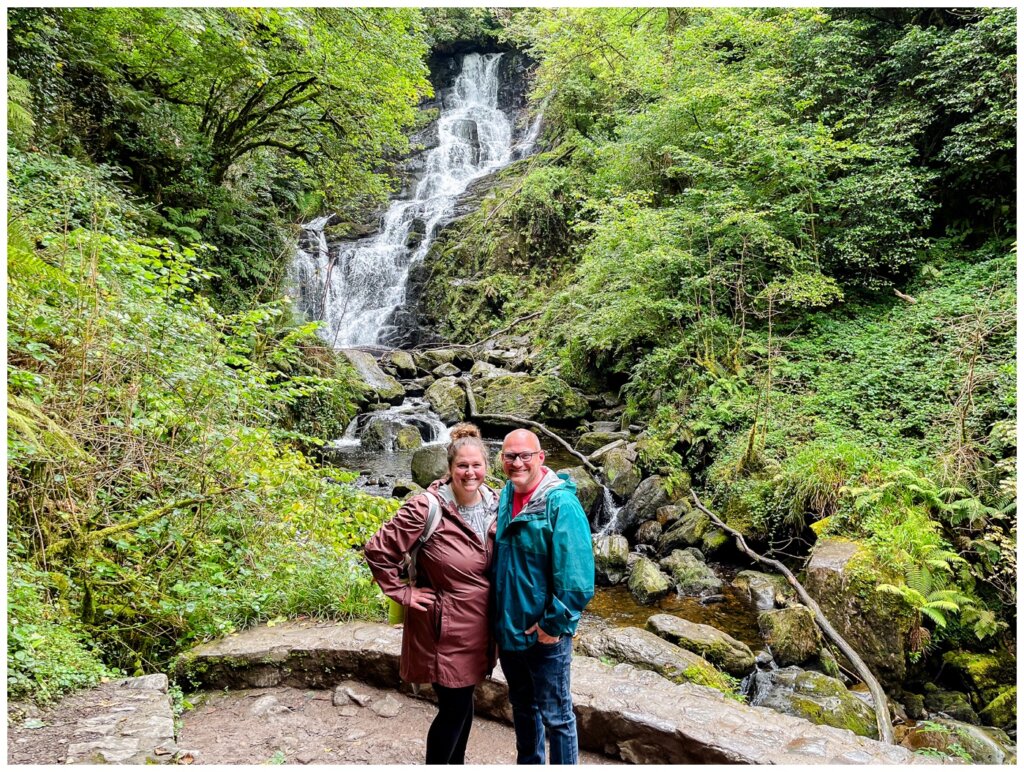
x,y
459,431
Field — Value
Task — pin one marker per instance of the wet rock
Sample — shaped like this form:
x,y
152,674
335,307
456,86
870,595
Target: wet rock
x,y
400,363
404,488
952,704
429,464
646,582
591,441
533,397
649,496
446,370
717,647
644,649
376,381
588,491
814,696
648,532
691,576
408,438
611,554
981,745
686,531
763,589
791,634
447,399
843,582
620,469
383,434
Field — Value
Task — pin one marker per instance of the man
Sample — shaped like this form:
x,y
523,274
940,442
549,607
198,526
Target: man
x,y
543,579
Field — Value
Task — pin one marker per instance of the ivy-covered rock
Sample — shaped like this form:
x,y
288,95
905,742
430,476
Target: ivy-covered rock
x,y
718,648
691,575
429,464
611,559
447,399
1002,711
791,634
588,491
374,380
646,582
645,650
816,697
533,397
620,469
842,579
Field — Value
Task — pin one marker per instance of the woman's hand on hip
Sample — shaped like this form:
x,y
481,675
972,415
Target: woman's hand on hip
x,y
421,598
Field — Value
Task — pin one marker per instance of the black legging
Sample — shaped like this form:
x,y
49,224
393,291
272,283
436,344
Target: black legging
x,y
446,740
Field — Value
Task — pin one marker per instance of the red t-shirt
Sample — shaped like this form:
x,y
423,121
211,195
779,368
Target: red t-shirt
x,y
519,499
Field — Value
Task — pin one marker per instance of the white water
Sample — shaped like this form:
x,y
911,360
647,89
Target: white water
x,y
356,288
611,510
412,412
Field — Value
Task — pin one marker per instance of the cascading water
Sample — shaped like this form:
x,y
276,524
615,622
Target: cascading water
x,y
354,288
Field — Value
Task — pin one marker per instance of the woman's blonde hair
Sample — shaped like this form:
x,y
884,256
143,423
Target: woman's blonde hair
x,y
462,435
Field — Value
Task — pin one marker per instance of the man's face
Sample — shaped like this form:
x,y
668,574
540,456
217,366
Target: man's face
x,y
524,474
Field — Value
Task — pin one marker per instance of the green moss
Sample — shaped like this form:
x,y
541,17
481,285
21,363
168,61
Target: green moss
x,y
1002,711
984,675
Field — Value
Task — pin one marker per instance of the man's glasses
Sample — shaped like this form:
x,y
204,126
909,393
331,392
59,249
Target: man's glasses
x,y
526,458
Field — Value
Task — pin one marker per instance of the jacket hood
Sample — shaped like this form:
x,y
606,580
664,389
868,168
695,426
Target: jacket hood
x,y
443,489
548,483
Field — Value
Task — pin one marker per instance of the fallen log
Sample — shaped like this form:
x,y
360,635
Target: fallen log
x,y
882,717
503,417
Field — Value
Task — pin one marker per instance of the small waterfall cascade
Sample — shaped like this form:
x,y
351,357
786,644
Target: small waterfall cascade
x,y
610,510
381,430
354,287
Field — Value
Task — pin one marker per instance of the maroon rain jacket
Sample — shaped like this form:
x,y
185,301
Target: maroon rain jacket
x,y
451,643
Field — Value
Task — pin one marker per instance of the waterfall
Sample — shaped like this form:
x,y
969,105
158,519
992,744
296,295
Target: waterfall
x,y
355,287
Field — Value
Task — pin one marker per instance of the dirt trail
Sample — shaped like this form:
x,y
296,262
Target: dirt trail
x,y
279,725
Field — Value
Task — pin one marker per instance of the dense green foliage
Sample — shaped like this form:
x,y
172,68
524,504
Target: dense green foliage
x,y
786,236
234,121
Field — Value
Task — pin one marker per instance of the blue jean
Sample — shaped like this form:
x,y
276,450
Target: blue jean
x,y
538,688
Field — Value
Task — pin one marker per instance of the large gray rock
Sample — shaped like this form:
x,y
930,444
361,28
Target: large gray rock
x,y
691,575
876,624
384,434
644,649
764,590
431,358
588,490
429,464
814,696
646,582
620,469
611,555
376,380
634,714
482,369
446,370
533,397
687,531
447,399
593,441
791,634
718,648
643,505
400,362
648,533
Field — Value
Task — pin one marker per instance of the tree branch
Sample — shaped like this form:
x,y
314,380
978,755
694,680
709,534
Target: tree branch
x,y
882,718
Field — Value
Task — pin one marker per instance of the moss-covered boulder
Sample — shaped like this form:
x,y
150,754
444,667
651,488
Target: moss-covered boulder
x,y
408,438
718,648
984,676
645,650
446,370
447,399
952,704
621,472
647,582
650,495
384,434
791,634
843,580
1002,711
588,490
611,559
429,464
713,540
591,441
765,590
482,369
533,397
687,531
374,380
816,697
431,358
691,575
399,363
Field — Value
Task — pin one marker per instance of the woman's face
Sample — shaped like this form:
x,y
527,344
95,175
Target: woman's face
x,y
468,471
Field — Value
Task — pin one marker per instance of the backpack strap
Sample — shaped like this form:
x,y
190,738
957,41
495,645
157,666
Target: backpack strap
x,y
434,514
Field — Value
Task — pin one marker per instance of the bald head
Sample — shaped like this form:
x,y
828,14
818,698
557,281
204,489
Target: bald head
x,y
526,470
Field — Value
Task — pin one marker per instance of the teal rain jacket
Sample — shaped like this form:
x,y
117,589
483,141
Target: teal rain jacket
x,y
543,570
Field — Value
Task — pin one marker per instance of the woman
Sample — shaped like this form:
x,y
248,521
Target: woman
x,y
447,639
